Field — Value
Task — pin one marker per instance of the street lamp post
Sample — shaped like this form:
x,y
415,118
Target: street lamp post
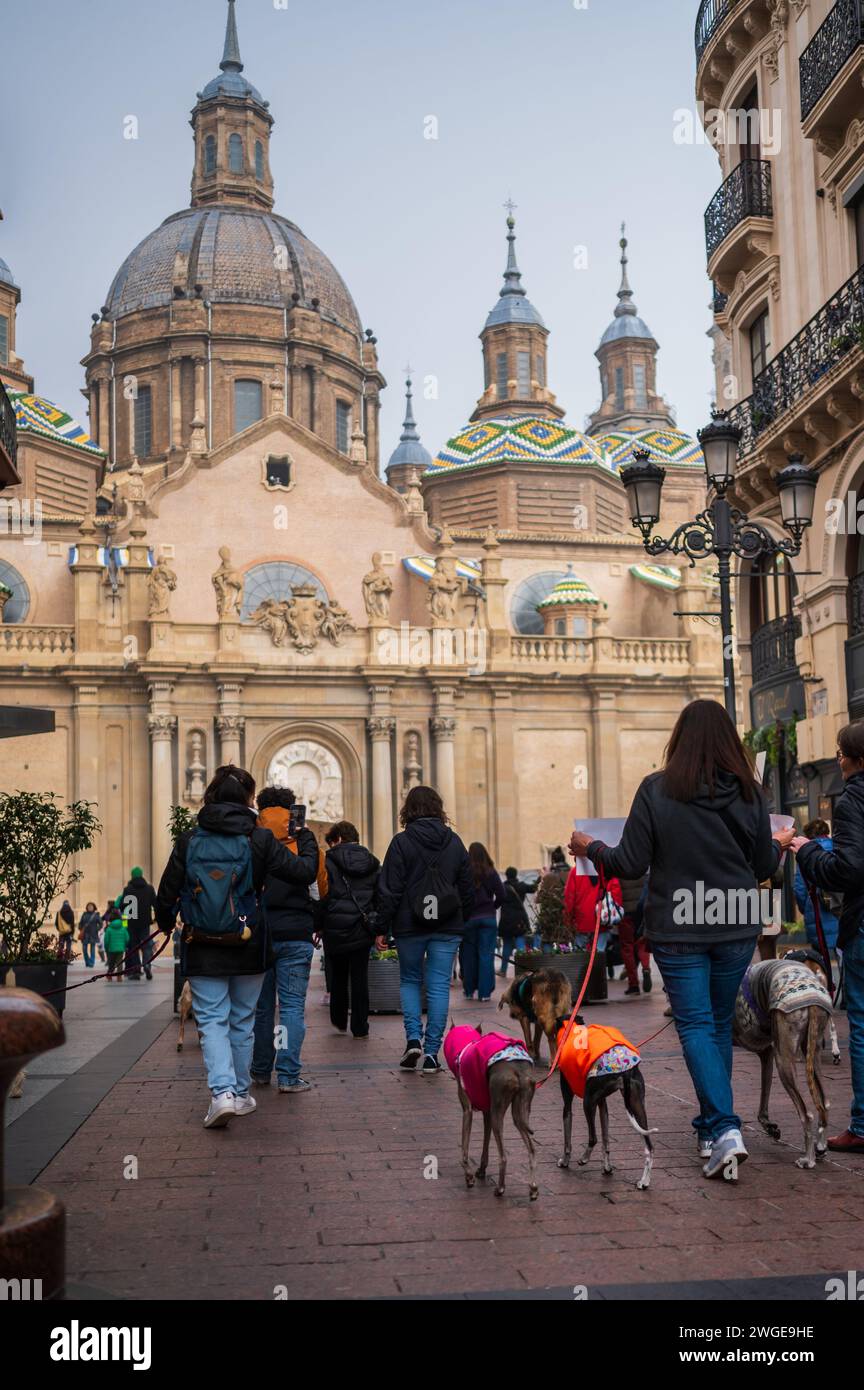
x,y
721,530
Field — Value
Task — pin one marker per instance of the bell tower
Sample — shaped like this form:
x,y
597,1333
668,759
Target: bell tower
x,y
514,349
232,124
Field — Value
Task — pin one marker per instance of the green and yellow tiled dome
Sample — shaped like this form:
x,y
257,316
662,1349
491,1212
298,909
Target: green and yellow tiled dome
x,y
36,415
664,445
518,439
569,589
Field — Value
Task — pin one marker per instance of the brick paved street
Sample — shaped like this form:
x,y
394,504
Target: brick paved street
x,y
324,1194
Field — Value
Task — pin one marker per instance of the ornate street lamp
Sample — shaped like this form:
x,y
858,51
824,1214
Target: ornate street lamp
x,y
721,530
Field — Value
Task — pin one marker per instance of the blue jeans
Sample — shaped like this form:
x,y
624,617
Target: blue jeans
x,y
509,944
88,949
477,954
438,951
225,1017
289,978
853,972
702,983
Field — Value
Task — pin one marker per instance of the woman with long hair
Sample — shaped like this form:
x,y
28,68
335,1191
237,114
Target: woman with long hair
x,y
701,825
216,877
477,951
840,869
425,895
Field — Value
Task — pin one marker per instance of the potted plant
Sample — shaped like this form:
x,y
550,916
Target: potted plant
x,y
557,950
38,837
180,822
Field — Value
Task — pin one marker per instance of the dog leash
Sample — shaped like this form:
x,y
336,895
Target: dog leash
x,y
110,974
568,1027
820,937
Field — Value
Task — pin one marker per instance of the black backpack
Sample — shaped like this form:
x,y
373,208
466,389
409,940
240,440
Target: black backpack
x,y
434,899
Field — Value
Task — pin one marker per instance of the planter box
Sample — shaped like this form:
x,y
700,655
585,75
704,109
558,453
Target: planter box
x,y
384,995
573,965
42,979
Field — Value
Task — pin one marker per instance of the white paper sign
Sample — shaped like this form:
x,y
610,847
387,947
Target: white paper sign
x,y
609,831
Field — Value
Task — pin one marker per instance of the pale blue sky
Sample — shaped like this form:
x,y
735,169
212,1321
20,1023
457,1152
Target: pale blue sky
x,y
568,111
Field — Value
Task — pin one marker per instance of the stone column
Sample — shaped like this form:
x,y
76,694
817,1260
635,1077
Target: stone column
x,y
443,726
176,405
230,724
380,729
162,726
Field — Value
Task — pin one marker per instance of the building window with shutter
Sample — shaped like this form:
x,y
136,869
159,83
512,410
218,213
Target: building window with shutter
x,y
259,161
501,375
523,373
210,155
343,426
760,343
235,154
619,387
248,405
143,407
639,386
4,338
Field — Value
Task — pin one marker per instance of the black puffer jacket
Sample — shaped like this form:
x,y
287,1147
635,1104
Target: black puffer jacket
x,y
138,905
288,907
841,869
352,892
692,853
405,864
269,858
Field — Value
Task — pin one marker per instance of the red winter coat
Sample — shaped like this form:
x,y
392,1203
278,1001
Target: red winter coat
x,y
580,901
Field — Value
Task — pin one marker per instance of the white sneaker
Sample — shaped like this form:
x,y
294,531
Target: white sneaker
x,y
244,1105
704,1145
729,1147
221,1110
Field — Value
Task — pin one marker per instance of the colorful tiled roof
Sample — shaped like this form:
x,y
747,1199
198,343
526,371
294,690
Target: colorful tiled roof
x,y
423,566
664,445
35,415
519,439
570,589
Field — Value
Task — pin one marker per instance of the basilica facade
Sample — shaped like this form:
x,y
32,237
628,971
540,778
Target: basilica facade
x,y
226,566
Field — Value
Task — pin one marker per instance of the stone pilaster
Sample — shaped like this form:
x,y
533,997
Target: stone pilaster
x,y
443,727
162,727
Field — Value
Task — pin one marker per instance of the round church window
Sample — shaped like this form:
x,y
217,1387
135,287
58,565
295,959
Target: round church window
x,y
16,606
275,580
523,607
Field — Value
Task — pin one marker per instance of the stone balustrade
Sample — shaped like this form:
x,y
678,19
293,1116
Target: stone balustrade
x,y
27,642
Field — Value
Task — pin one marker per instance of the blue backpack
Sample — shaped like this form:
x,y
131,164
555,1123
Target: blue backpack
x,y
217,902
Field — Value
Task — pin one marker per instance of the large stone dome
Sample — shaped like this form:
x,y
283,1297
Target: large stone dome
x,y
235,255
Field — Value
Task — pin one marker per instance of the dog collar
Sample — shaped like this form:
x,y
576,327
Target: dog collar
x,y
525,1004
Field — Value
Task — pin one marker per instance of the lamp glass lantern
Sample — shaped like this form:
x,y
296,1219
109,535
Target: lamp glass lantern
x,y
643,483
796,484
720,441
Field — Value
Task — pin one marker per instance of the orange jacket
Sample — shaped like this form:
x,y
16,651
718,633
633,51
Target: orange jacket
x,y
583,1048
277,820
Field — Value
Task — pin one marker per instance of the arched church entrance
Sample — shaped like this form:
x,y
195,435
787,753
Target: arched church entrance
x,y
315,775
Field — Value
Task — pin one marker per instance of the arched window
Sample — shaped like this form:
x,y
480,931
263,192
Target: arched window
x,y
259,161
772,589
247,404
343,426
235,154
523,606
16,608
210,155
274,580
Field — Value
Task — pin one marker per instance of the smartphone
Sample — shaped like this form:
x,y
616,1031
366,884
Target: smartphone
x,y
298,818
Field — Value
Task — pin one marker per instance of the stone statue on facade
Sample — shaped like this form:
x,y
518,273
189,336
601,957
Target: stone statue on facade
x,y
228,583
377,592
161,583
443,592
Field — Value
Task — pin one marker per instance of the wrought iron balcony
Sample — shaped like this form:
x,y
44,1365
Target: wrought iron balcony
x,y
711,15
829,50
8,441
772,650
746,193
833,333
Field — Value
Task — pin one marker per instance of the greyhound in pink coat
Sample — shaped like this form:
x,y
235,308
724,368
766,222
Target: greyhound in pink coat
x,y
492,1087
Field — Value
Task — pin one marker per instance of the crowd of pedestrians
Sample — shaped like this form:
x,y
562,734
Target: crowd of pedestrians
x,y
256,895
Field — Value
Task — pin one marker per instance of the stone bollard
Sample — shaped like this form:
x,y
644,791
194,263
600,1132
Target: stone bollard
x,y
32,1222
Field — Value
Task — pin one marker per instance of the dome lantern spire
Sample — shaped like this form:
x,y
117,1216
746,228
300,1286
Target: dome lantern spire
x,y
231,60
409,453
625,303
232,134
